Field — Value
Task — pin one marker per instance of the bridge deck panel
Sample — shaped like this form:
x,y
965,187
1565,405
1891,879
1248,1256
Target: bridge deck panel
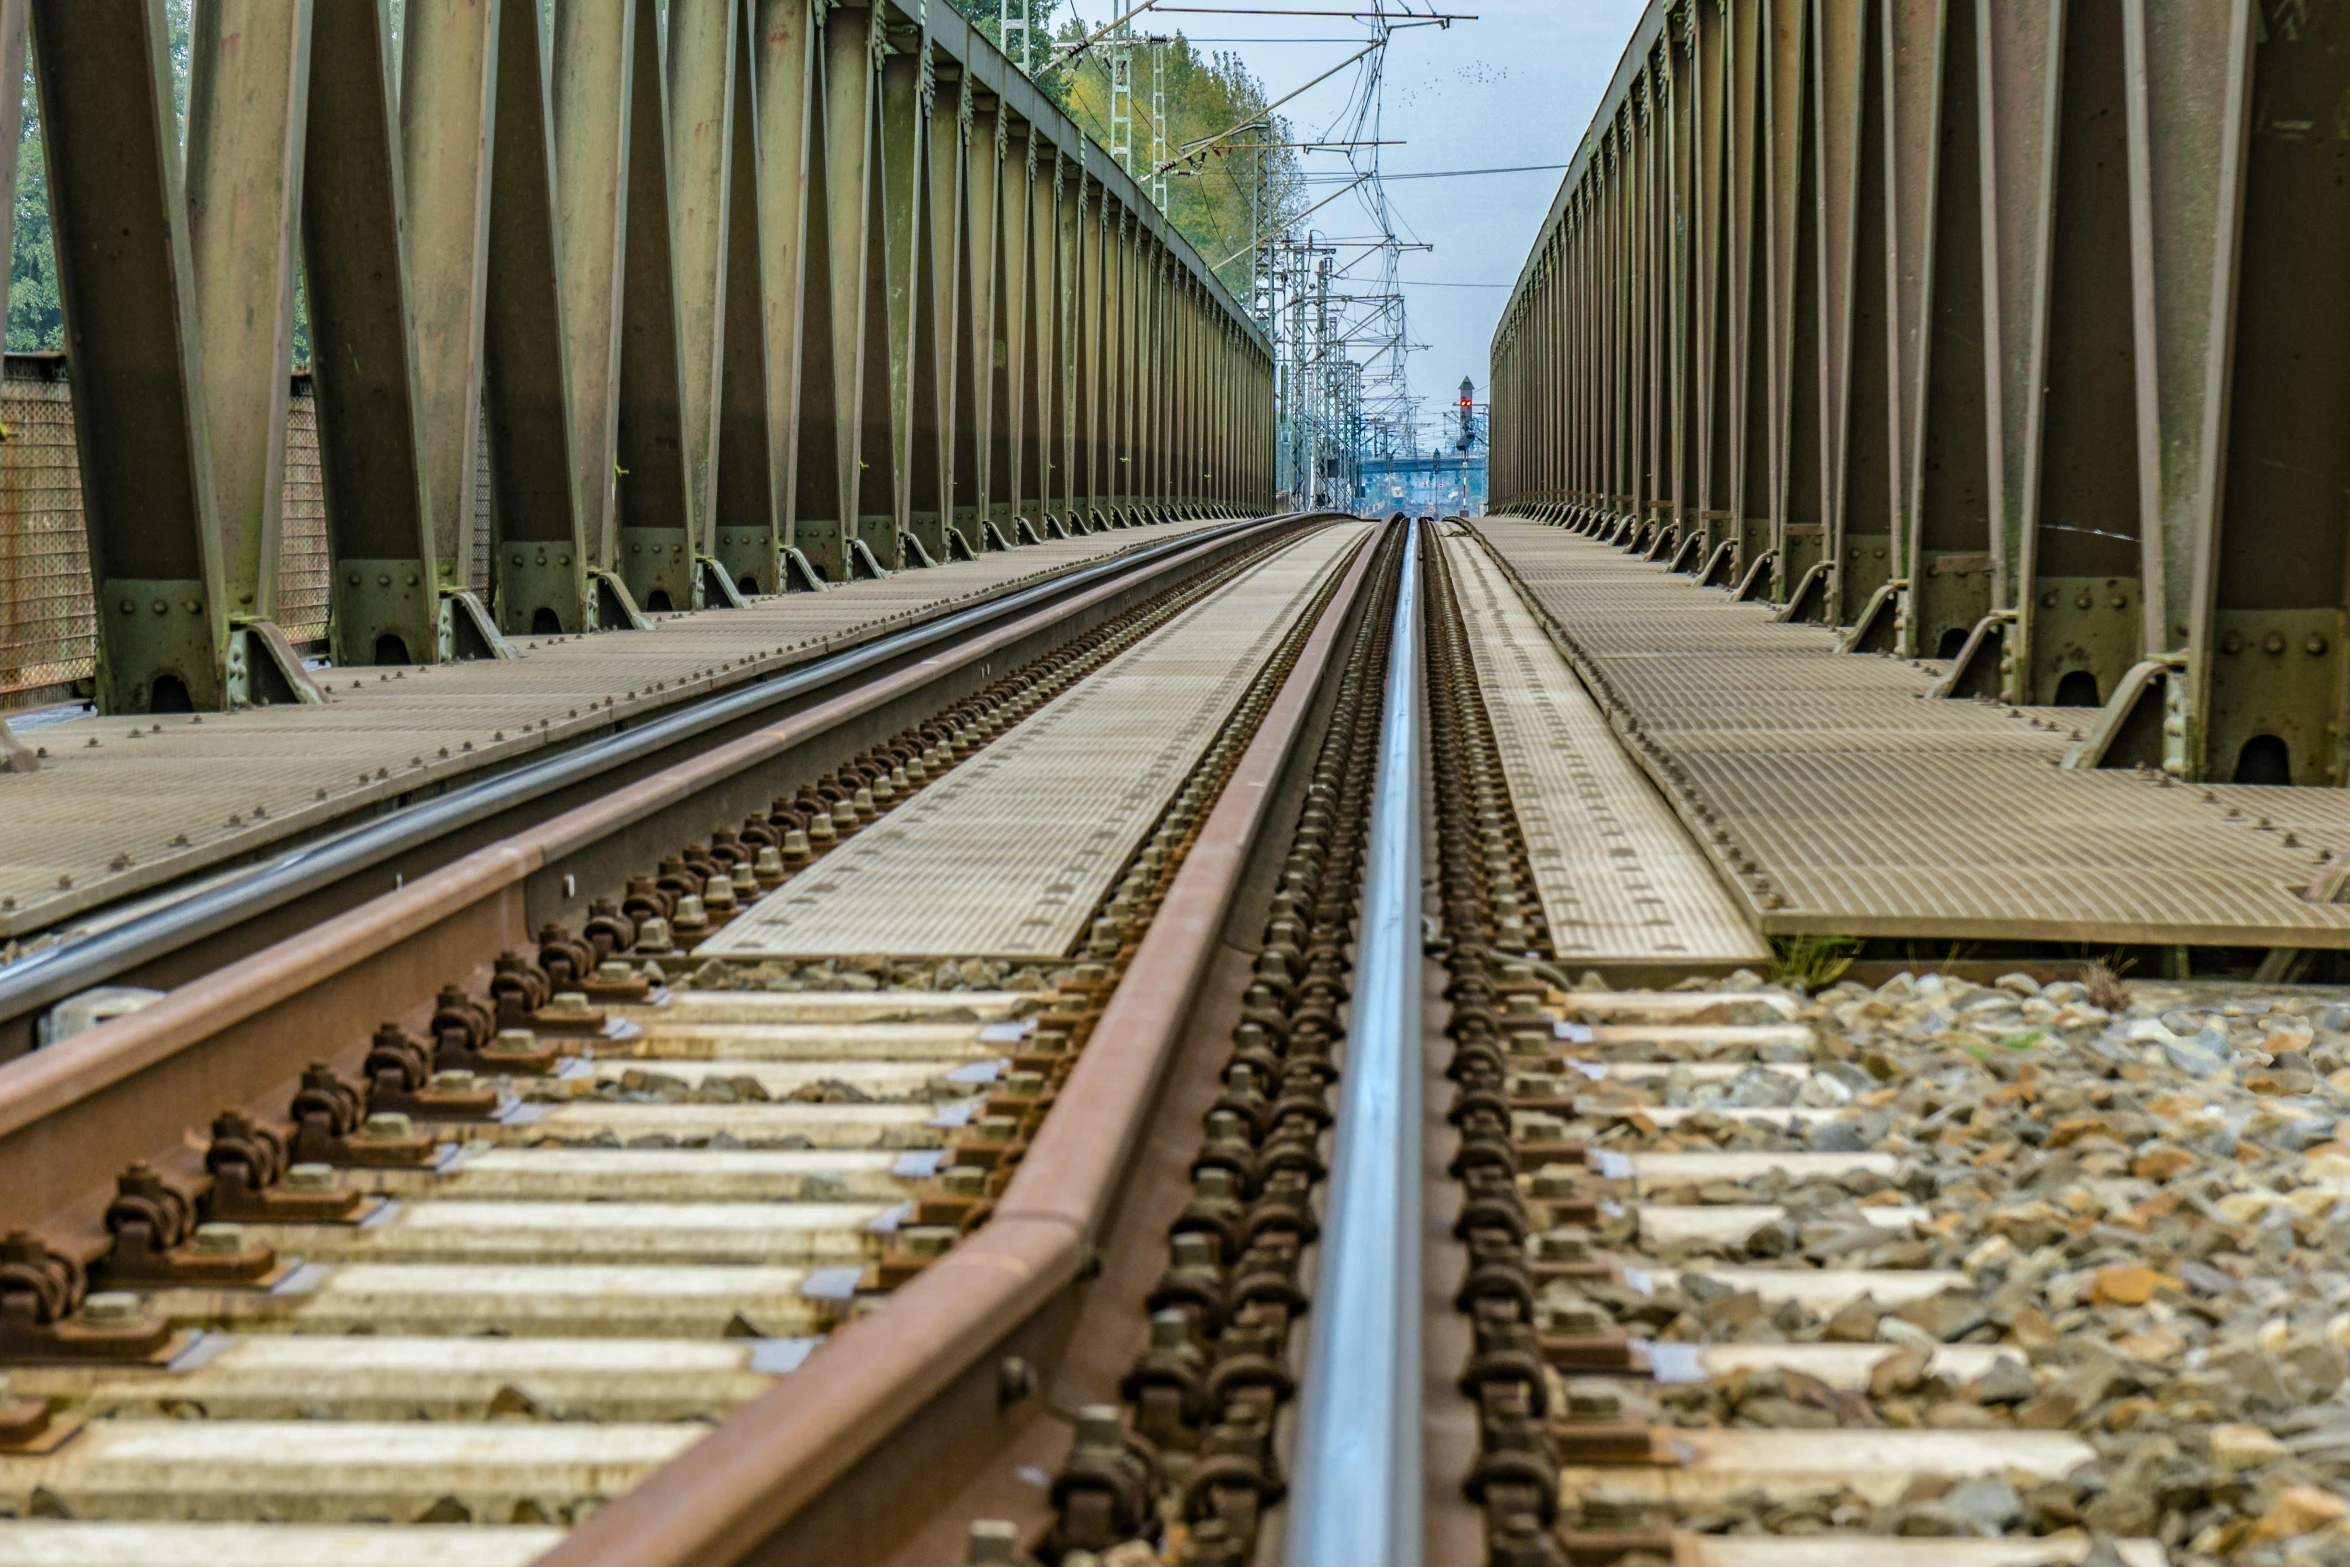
x,y
1619,879
1870,809
1010,854
125,789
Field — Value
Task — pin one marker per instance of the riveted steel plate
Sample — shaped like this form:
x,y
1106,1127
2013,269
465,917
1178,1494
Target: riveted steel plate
x,y
1868,809
1618,877
1009,854
105,816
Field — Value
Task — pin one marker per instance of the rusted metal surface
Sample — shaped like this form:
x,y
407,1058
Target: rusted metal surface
x,y
728,1501
243,1034
564,1255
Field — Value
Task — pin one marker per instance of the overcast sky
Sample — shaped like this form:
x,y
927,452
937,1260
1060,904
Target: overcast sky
x,y
1516,86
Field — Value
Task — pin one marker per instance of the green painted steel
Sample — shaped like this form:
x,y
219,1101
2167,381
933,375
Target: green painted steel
x,y
775,294
1993,331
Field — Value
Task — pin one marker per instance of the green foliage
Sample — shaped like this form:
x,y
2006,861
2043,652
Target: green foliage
x,y
35,321
1817,961
1225,199
1232,193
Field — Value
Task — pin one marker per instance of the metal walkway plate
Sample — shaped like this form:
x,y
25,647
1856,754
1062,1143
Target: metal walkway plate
x,y
1865,808
1619,879
1010,854
124,804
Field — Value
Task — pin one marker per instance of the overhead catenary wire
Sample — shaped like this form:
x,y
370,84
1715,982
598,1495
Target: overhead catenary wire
x,y
1287,223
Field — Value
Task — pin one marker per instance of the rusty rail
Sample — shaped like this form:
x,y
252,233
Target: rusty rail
x,y
70,1118
735,1491
135,948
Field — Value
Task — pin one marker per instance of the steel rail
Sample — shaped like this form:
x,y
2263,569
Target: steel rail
x,y
772,1464
45,978
1356,1480
71,1118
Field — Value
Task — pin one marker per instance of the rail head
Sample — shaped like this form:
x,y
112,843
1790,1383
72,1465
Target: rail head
x,y
728,1498
1356,1480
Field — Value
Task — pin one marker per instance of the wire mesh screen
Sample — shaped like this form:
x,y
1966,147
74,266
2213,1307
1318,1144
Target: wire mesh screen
x,y
47,636
302,562
480,578
46,630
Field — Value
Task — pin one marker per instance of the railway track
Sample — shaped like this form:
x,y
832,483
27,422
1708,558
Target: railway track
x,y
1125,1089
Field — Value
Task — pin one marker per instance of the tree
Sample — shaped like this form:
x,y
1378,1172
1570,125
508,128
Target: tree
x,y
1228,195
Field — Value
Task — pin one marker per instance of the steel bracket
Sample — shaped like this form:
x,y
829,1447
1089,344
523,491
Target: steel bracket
x,y
612,608
265,671
800,574
1876,629
717,589
467,630
1983,664
2143,724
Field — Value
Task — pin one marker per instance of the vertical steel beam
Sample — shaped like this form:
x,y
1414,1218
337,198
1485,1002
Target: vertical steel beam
x,y
1839,41
846,108
938,403
1798,526
1040,459
2022,44
541,550
125,283
391,599
1092,424
1012,469
594,60
1676,80
2272,703
248,75
1912,62
1709,113
448,92
1950,555
655,531
785,73
904,317
704,56
980,367
2080,599
1120,456
14,756
1068,256
1869,501
746,511
2188,71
